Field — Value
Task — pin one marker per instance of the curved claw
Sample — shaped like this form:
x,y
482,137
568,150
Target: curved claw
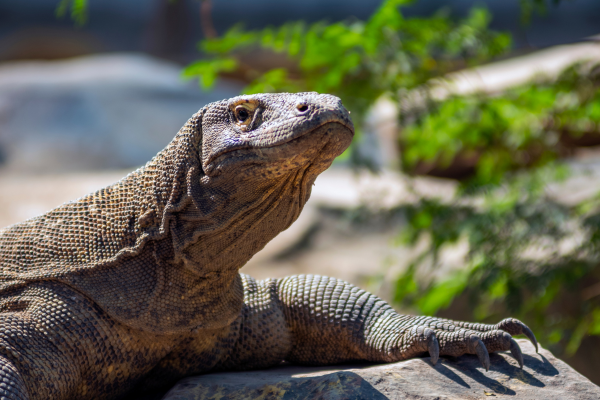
x,y
434,349
527,332
482,354
515,350
516,327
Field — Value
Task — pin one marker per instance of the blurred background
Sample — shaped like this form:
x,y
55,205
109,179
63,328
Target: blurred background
x,y
472,188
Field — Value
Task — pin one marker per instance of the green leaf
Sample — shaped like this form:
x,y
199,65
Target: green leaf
x,y
208,71
594,328
576,337
78,10
555,336
405,284
272,81
442,294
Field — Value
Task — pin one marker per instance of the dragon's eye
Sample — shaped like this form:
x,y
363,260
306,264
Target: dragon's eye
x,y
241,114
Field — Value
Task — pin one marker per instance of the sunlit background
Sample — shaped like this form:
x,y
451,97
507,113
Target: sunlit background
x,y
471,192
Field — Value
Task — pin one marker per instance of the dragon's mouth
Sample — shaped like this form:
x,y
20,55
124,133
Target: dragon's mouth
x,y
259,152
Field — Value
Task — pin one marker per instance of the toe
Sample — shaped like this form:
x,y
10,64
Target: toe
x,y
498,340
433,346
516,327
420,340
477,347
464,341
515,350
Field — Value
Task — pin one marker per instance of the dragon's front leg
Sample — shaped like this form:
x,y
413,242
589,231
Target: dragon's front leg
x,y
316,320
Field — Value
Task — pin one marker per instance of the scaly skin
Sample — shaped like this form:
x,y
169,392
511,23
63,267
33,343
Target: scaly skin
x,y
135,286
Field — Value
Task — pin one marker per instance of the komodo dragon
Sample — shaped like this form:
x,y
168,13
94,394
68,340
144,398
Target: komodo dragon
x,y
136,285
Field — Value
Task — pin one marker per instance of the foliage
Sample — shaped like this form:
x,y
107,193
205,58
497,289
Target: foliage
x,y
529,257
357,61
530,7
78,9
526,126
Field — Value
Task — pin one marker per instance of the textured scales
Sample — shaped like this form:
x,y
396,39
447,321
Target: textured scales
x,y
135,286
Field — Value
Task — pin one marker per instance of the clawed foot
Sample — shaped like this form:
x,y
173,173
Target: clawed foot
x,y
454,338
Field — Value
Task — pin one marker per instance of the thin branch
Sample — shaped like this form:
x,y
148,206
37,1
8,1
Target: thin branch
x,y
206,20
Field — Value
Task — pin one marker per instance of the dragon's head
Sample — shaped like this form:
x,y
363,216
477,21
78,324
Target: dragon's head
x,y
271,135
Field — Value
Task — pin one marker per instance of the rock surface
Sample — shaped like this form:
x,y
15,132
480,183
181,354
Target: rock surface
x,y
543,377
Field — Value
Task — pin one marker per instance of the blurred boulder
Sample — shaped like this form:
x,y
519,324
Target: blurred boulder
x,y
95,112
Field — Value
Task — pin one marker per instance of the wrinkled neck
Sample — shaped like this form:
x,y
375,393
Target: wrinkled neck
x,y
234,218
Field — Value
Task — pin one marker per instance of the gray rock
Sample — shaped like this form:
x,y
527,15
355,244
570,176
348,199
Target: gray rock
x,y
97,112
544,377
